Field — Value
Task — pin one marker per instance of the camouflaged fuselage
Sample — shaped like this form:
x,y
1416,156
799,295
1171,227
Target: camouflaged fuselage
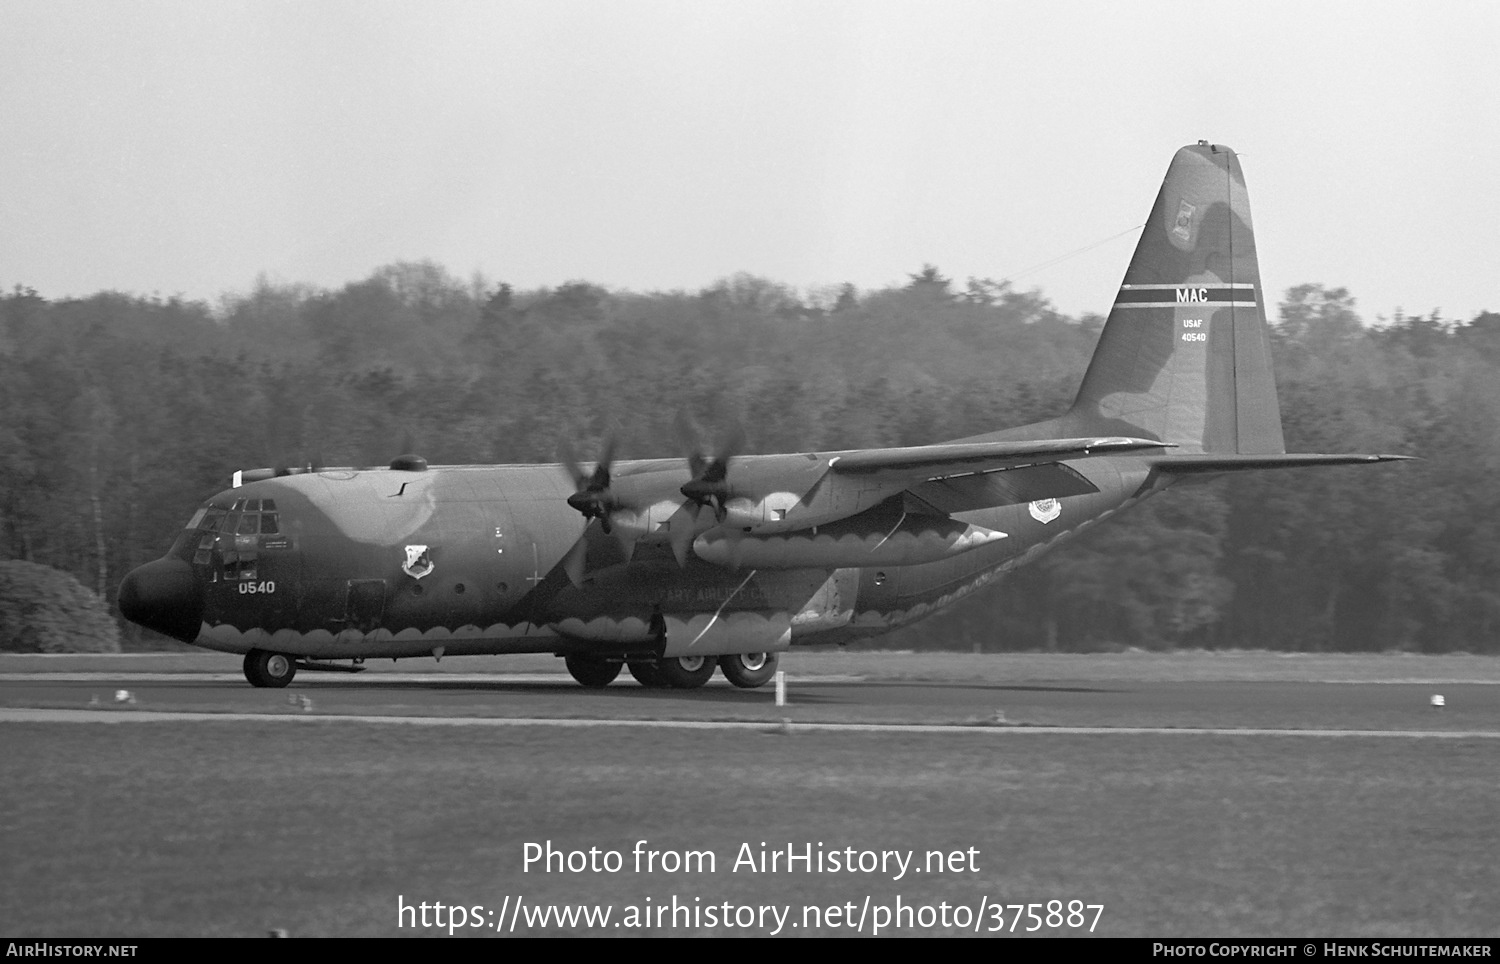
x,y
394,563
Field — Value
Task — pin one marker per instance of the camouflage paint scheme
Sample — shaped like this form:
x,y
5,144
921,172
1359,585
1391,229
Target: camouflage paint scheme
x,y
813,547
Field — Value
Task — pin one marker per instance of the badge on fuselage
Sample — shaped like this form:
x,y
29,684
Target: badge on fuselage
x,y
417,562
1045,510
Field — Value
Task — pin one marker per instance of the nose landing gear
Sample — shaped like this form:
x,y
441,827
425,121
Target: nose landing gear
x,y
265,669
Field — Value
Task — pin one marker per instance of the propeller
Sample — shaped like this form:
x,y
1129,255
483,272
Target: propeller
x,y
709,485
593,498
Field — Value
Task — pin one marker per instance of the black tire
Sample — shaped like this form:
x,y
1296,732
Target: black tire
x,y
266,669
686,672
647,672
749,670
593,672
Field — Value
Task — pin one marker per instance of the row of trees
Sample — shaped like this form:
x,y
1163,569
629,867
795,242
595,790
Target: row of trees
x,y
118,414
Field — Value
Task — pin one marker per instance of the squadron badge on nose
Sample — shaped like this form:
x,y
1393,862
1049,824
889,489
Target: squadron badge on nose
x,y
417,563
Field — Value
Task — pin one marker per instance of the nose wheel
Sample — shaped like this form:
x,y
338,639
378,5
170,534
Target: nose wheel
x,y
265,669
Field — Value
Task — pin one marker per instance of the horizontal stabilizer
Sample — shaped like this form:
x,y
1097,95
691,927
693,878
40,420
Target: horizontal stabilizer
x,y
1202,464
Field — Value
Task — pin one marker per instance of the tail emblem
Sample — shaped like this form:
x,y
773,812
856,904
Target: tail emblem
x,y
1184,228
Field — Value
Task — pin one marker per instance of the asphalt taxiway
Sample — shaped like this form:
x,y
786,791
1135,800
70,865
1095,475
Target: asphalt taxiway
x,y
1183,793
844,694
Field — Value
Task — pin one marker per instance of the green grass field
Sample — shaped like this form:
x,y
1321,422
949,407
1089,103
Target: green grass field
x,y
319,828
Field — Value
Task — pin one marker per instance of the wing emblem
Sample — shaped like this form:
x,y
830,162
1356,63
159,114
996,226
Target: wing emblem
x,y
1045,510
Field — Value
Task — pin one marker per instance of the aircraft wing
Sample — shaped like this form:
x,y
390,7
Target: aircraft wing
x,y
965,476
966,458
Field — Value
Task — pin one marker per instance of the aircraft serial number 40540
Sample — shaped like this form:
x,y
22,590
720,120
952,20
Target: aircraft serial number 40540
x,y
675,567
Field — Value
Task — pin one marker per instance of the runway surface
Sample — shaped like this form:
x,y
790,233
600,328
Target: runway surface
x,y
788,726
1184,794
1076,699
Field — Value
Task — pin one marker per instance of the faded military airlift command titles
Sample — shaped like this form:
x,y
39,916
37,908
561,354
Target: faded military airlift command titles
x,y
748,858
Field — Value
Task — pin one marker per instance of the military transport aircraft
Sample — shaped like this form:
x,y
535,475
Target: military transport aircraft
x,y
673,567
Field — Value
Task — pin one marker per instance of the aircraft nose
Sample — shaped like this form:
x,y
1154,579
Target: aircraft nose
x,y
163,596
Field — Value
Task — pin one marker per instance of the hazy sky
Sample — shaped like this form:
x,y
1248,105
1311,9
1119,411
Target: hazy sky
x,y
186,147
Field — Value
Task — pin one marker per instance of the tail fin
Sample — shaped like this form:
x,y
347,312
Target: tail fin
x,y
1184,356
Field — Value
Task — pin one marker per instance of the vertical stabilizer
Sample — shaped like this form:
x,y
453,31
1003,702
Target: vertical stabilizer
x,y
1184,356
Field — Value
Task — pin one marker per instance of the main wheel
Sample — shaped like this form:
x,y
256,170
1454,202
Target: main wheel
x,y
269,669
592,671
686,672
749,670
647,673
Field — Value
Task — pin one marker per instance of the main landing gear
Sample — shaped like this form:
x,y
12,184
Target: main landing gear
x,y
677,672
592,671
749,670
686,672
269,669
646,673
745,670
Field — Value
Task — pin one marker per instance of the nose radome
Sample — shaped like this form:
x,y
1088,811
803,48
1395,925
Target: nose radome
x,y
163,596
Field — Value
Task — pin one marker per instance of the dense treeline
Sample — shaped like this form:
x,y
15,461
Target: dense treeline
x,y
120,413
46,610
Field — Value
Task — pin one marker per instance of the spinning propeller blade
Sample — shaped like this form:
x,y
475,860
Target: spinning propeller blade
x,y
593,498
710,482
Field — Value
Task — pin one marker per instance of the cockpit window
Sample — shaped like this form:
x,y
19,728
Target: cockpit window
x,y
226,537
206,518
204,553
